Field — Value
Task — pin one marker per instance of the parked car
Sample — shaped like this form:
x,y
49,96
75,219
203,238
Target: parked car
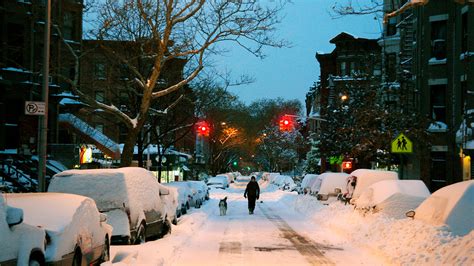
x,y
20,243
393,197
76,233
169,196
203,190
450,206
307,182
181,198
191,193
217,182
129,196
332,185
284,182
184,195
367,177
225,178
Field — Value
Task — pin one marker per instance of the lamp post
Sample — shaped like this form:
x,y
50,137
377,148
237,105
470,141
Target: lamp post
x,y
43,121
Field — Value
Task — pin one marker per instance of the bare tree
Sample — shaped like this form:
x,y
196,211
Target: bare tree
x,y
177,29
357,7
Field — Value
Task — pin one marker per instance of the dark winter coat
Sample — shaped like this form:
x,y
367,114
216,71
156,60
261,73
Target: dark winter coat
x,y
252,190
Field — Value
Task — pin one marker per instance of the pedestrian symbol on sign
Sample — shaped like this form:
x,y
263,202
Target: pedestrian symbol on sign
x,y
402,145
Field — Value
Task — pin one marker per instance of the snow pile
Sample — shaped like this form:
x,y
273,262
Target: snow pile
x,y
452,206
393,197
331,181
400,241
366,177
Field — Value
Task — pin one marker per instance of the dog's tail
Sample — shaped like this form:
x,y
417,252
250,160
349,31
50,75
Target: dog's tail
x,y
224,199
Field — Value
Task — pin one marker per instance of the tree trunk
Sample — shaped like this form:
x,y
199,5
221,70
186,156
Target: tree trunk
x,y
129,145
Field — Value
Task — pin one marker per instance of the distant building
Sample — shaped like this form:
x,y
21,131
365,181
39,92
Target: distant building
x,y
354,63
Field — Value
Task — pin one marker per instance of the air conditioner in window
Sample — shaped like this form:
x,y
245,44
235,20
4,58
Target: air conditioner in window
x,y
439,48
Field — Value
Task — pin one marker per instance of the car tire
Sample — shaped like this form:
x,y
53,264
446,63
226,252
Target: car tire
x,y
106,251
141,235
166,227
77,259
175,221
36,259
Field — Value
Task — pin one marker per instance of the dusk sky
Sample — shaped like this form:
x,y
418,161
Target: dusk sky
x,y
290,72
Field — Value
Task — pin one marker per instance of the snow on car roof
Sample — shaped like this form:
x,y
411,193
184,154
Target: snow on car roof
x,y
367,177
135,187
451,205
382,190
52,211
331,181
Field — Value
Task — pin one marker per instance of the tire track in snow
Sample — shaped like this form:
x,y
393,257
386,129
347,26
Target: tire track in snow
x,y
305,246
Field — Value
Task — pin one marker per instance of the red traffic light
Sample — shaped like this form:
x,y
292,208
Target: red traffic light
x,y
203,128
346,165
286,124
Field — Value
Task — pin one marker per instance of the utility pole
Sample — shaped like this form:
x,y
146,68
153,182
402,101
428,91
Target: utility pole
x,y
43,121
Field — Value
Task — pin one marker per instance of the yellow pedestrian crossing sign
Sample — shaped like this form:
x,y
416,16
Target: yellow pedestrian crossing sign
x,y
402,145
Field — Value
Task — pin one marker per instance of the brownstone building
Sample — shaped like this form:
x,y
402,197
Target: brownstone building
x,y
21,52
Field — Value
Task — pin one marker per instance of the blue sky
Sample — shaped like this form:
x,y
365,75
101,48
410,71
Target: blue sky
x,y
289,72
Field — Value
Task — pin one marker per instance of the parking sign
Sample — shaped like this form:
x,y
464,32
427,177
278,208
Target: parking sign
x,y
34,108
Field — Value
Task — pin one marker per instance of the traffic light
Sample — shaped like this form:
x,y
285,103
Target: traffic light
x,y
203,128
286,124
234,163
347,165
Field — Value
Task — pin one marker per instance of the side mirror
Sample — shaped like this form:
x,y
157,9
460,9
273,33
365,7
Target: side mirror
x,y
103,217
410,214
14,216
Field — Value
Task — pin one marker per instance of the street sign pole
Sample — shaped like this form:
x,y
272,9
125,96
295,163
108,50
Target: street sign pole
x,y
43,124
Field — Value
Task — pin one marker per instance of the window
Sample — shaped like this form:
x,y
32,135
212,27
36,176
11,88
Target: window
x,y
343,68
352,68
463,96
438,39
464,33
100,96
68,26
392,27
123,100
438,170
391,67
438,102
99,70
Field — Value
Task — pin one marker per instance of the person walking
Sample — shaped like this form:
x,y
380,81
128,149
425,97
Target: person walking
x,y
252,192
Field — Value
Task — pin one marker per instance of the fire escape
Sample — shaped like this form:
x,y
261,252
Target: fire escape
x,y
407,52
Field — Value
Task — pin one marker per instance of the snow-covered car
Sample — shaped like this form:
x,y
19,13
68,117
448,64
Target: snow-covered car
x,y
203,190
451,206
367,177
76,233
171,202
332,184
184,195
307,182
393,197
284,182
217,182
20,243
225,178
191,193
130,197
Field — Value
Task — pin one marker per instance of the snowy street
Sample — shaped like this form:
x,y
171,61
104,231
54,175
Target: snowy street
x,y
275,235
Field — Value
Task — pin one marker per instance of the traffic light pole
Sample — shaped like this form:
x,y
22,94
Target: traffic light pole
x,y
43,124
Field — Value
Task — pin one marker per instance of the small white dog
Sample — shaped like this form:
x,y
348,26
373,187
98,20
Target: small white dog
x,y
223,206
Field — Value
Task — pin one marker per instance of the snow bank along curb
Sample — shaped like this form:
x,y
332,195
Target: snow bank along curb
x,y
403,241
